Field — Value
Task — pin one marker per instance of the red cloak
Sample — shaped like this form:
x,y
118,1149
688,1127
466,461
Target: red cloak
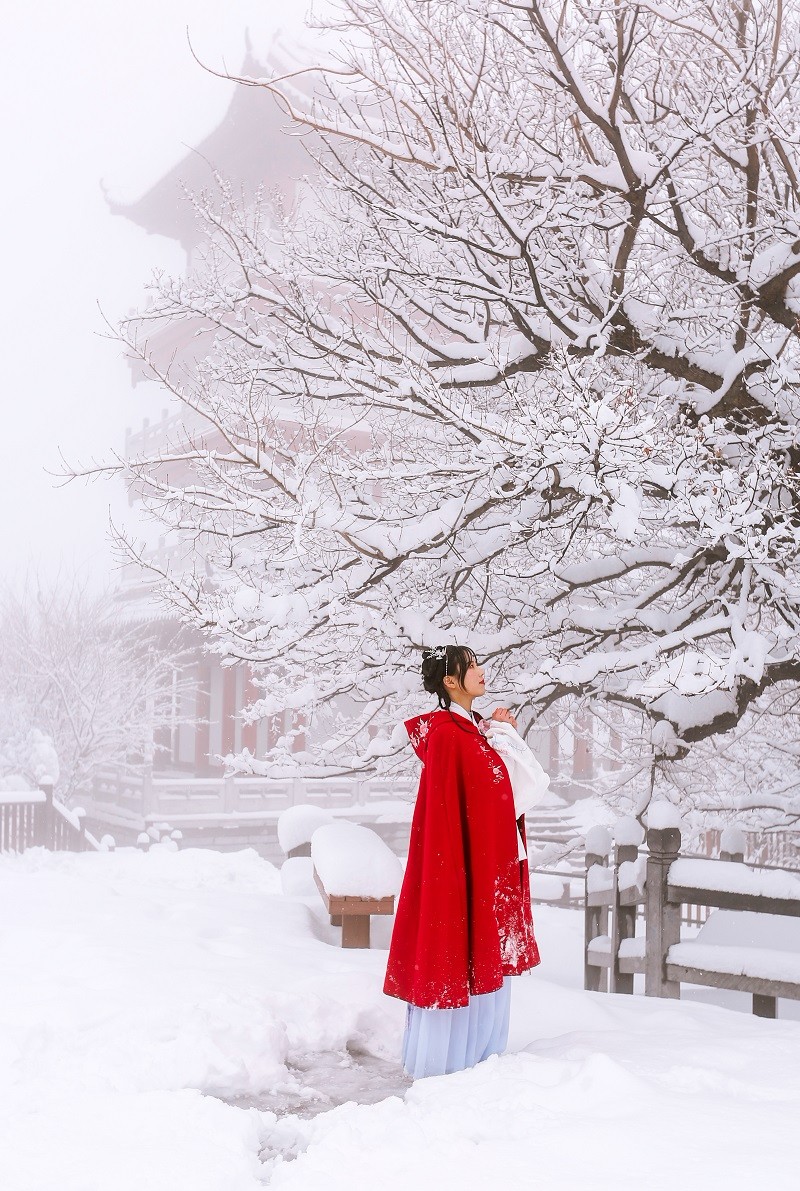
x,y
464,915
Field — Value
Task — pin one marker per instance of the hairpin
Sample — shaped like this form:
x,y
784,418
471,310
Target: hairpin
x,y
437,652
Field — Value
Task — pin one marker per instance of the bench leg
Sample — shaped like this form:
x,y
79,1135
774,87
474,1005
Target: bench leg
x,y
764,1006
355,930
336,920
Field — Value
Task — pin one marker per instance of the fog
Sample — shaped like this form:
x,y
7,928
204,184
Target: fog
x,y
99,101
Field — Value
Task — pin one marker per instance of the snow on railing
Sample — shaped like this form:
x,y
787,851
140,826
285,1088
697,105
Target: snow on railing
x,y
34,818
673,884
184,798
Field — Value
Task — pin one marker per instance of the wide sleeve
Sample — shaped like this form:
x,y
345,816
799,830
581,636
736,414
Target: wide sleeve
x,y
529,781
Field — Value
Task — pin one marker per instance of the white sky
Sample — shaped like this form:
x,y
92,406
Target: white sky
x,y
90,91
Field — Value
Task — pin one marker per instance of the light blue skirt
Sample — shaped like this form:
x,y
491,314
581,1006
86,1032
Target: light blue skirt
x,y
440,1041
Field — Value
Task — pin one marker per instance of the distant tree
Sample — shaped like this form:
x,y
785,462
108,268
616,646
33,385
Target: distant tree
x,y
79,687
520,369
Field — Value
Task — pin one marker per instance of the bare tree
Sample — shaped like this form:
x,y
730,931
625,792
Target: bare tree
x,y
520,369
79,687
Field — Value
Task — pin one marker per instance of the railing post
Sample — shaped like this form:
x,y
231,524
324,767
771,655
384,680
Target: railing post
x,y
629,835
732,846
663,919
228,794
598,845
45,817
80,815
148,793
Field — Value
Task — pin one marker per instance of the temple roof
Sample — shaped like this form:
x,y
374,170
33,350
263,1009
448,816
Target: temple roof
x,y
252,146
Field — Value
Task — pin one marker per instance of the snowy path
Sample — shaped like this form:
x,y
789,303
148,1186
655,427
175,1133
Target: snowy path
x,y
147,1003
329,1079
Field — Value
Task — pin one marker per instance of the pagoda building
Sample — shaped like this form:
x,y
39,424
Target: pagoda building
x,y
252,149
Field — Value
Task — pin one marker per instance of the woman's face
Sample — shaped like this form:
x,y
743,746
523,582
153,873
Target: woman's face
x,y
473,683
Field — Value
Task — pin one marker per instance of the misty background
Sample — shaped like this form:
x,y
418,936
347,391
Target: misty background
x,y
99,101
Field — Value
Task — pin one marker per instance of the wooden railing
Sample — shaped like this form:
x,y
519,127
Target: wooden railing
x,y
666,885
779,848
34,818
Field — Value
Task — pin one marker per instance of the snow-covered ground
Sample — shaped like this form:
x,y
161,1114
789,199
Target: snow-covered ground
x,y
171,1021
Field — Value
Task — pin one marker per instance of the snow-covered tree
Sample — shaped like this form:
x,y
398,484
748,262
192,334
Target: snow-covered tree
x,y
520,369
79,687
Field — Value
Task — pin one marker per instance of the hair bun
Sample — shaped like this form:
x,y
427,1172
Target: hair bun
x,y
443,660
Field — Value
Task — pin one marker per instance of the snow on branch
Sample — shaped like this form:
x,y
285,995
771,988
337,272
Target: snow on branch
x,y
519,368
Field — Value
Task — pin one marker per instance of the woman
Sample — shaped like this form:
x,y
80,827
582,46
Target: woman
x,y
463,925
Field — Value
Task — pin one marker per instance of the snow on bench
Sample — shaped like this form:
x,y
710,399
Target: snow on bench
x,y
357,875
296,826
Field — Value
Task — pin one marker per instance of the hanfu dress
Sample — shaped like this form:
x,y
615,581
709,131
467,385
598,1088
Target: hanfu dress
x,y
463,925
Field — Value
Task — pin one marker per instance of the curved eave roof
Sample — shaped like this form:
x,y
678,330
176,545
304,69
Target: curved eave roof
x,y
252,146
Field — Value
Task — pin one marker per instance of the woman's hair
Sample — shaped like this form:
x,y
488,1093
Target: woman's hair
x,y
454,660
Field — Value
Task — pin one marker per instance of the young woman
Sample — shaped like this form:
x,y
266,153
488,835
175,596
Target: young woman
x,y
463,925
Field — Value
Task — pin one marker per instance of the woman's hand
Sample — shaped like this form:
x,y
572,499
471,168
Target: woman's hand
x,y
504,716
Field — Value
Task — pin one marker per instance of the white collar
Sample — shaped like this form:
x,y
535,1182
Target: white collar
x,y
459,710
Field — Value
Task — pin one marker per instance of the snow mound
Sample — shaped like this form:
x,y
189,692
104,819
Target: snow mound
x,y
297,877
628,832
598,841
733,840
662,815
353,861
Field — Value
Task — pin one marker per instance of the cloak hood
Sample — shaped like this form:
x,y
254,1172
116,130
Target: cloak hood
x,y
418,729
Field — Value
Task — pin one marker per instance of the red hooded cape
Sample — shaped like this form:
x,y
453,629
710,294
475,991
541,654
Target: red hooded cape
x,y
464,916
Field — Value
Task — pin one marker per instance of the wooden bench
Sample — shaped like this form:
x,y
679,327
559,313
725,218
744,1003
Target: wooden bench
x,y
357,876
353,914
